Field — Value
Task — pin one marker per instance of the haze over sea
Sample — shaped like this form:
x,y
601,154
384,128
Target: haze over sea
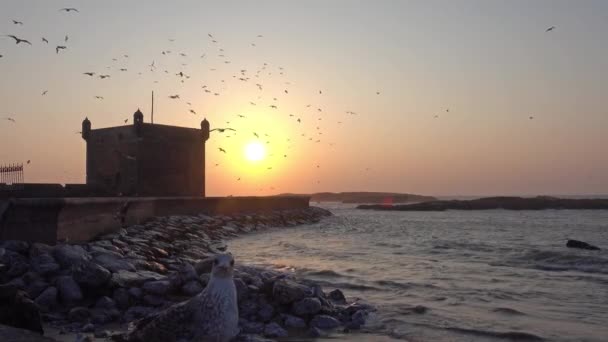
x,y
491,275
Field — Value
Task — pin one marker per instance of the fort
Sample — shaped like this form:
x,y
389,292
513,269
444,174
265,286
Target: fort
x,y
133,173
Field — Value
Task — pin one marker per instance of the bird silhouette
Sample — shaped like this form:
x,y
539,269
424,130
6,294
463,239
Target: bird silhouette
x,y
60,47
550,29
256,135
377,93
222,130
10,119
222,150
45,40
19,40
104,76
192,111
44,92
174,96
531,118
99,97
126,120
88,73
273,106
1,56
17,22
69,9
241,116
66,38
28,161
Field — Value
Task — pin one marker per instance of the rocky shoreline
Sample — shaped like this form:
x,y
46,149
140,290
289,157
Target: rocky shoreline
x,y
121,277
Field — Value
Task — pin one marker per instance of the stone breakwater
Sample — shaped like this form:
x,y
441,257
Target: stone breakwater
x,y
121,277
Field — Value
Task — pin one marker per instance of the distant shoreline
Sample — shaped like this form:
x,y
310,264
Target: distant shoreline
x,y
365,197
507,203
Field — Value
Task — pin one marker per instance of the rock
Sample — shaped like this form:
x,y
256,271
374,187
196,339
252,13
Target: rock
x,y
88,328
136,312
581,245
192,288
252,327
306,306
104,316
17,263
90,275
47,300
153,300
293,322
121,298
102,334
337,296
18,310
357,320
44,264
241,288
157,287
274,330
79,314
286,291
314,332
136,293
105,302
36,287
113,262
131,279
324,322
15,246
68,255
69,291
11,334
265,312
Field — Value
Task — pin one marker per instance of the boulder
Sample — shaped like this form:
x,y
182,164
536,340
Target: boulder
x,y
11,334
47,300
129,279
69,291
44,264
192,288
286,291
79,314
18,310
105,302
581,245
266,312
324,322
306,306
90,274
113,262
248,327
274,330
293,322
337,296
136,312
157,287
15,246
121,298
68,255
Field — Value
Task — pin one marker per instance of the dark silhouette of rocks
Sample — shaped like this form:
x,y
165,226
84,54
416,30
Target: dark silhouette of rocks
x,y
581,245
508,203
366,197
18,310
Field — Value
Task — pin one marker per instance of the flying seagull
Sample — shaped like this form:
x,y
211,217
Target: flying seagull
x,y
550,29
11,120
60,47
222,150
126,120
66,38
44,92
88,73
99,97
174,97
104,76
192,111
45,40
19,40
70,9
17,22
221,130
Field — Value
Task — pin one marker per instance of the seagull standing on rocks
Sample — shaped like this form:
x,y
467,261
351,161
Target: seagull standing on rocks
x,y
212,315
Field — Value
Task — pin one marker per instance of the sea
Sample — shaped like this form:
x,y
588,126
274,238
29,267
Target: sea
x,y
493,275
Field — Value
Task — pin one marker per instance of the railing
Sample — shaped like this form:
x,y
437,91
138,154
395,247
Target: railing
x,y
11,176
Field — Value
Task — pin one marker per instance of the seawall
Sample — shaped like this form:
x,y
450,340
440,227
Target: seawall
x,y
49,220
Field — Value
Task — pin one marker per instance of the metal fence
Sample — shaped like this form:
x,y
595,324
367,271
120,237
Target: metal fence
x,y
11,174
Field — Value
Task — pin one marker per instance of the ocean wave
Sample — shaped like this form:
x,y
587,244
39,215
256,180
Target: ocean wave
x,y
509,335
508,311
561,261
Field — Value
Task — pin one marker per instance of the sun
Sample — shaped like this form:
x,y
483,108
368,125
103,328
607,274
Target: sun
x,y
254,151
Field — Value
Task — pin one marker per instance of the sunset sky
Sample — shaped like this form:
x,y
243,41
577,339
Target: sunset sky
x,y
490,63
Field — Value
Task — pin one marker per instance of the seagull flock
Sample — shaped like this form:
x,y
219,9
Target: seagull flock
x,y
243,75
